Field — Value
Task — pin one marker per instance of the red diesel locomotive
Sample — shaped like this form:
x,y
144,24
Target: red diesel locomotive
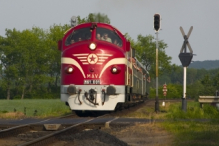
x,y
98,69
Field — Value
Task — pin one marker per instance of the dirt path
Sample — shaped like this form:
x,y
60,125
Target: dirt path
x,y
142,135
136,135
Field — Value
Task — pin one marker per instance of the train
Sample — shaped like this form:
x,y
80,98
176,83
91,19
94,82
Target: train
x,y
99,70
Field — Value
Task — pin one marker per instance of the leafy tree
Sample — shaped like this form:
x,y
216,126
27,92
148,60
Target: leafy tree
x,y
146,53
206,81
208,88
194,90
177,74
9,57
53,63
191,75
201,73
30,60
94,17
164,79
101,18
216,81
174,91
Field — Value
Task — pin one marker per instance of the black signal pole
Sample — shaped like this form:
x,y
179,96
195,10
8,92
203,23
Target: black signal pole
x,y
157,99
157,28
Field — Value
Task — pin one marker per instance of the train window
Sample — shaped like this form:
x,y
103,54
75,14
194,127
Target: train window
x,y
104,34
78,35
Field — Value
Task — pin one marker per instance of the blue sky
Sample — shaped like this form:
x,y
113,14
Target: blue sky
x,y
129,16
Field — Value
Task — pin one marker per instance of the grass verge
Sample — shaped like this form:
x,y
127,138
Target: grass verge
x,y
38,108
191,133
195,127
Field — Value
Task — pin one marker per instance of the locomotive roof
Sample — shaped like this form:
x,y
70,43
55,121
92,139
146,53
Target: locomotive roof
x,y
99,24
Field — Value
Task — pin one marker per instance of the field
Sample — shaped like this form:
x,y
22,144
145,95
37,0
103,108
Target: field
x,y
39,108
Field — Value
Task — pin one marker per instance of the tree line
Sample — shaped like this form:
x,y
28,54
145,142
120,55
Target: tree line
x,y
200,82
30,64
207,64
30,61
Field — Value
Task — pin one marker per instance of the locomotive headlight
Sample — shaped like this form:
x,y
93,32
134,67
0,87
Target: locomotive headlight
x,y
69,69
92,46
114,69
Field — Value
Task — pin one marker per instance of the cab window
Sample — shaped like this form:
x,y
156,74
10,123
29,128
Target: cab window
x,y
107,35
78,35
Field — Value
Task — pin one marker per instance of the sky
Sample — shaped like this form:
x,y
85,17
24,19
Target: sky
x,y
134,17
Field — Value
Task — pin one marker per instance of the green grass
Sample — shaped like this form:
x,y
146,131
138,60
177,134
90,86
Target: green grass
x,y
44,107
192,133
193,111
195,127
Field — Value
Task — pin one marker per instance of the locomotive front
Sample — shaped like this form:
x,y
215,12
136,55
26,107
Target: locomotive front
x,y
94,67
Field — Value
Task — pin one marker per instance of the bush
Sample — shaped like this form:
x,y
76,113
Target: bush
x,y
174,91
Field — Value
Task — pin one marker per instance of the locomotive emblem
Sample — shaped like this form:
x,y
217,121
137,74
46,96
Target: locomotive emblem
x,y
92,58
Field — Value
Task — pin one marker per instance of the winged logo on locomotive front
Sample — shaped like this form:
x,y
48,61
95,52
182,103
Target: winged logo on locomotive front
x,y
92,58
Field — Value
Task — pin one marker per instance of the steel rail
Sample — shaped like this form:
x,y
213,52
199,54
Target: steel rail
x,y
45,140
14,131
9,132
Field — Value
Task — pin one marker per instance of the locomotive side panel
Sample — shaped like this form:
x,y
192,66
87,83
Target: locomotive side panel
x,y
138,77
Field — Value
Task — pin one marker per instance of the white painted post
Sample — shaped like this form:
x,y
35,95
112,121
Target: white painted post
x,y
184,103
184,82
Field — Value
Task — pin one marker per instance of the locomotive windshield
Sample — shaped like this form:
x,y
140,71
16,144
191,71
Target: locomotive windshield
x,y
104,34
78,35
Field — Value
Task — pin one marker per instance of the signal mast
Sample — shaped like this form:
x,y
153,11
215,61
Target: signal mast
x,y
157,28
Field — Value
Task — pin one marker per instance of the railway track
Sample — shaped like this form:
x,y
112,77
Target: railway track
x,y
49,138
35,133
9,132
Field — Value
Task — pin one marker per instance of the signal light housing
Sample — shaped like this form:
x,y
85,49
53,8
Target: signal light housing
x,y
157,22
